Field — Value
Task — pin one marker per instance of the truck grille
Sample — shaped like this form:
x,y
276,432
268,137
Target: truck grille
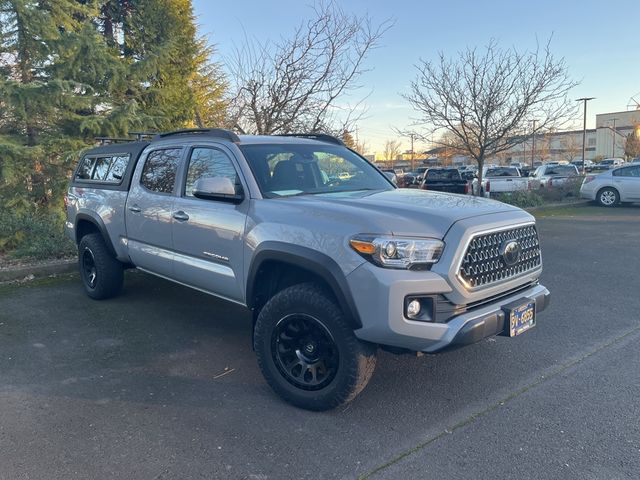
x,y
484,263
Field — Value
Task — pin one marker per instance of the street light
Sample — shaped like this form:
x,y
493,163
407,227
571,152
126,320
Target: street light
x,y
584,130
533,146
613,138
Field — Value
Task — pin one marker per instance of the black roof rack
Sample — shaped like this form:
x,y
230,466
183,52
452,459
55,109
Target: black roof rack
x,y
212,132
142,135
323,137
111,140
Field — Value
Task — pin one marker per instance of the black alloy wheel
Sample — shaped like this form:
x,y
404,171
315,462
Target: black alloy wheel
x,y
304,351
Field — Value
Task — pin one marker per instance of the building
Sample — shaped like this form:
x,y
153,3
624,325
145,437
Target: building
x,y
612,131
607,140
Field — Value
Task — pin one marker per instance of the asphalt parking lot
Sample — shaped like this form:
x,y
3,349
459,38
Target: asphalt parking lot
x,y
161,383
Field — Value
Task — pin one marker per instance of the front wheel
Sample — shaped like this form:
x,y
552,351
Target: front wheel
x,y
307,352
608,197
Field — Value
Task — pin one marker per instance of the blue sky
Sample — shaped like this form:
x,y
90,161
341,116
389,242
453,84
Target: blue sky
x,y
599,41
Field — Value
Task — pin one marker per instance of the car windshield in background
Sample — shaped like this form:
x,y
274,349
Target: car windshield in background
x,y
502,172
562,170
286,169
448,174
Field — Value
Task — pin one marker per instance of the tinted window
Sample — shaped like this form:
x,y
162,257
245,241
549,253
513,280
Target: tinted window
x,y
502,172
450,174
103,169
562,170
206,163
627,172
85,168
159,172
117,168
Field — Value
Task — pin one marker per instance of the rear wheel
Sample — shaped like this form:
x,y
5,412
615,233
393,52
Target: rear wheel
x,y
102,275
307,352
608,197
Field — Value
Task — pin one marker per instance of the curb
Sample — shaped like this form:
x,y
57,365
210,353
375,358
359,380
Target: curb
x,y
29,272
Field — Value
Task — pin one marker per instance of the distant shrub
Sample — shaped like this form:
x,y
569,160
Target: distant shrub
x,y
522,199
34,236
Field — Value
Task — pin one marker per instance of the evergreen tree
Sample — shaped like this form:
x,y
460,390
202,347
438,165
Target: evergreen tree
x,y
35,103
71,70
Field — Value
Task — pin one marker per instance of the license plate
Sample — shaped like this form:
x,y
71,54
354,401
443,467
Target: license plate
x,y
521,318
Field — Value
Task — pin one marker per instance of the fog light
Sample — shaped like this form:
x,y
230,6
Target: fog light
x,y
413,309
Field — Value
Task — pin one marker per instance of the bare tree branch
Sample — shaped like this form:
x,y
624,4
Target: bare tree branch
x,y
483,99
295,84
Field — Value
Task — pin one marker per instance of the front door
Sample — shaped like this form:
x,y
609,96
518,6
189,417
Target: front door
x,y
208,234
627,180
149,211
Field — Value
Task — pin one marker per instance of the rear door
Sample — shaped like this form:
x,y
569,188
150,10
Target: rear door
x,y
208,234
627,181
149,211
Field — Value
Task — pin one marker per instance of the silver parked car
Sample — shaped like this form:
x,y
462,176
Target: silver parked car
x,y
554,175
613,186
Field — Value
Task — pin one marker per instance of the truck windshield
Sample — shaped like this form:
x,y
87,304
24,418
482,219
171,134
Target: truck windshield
x,y
287,169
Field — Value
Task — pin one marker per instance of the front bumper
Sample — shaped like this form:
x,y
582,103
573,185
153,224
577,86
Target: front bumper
x,y
380,302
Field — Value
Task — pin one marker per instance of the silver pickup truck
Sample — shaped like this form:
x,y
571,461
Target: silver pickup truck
x,y
332,266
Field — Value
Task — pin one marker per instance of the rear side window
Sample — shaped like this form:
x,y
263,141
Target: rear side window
x,y
627,172
109,168
159,171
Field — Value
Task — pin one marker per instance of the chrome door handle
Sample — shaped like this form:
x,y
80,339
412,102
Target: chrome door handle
x,y
135,209
181,216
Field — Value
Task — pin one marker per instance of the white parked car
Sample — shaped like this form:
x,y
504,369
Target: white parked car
x,y
613,186
501,180
554,175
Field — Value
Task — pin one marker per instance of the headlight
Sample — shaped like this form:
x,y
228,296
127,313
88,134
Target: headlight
x,y
398,252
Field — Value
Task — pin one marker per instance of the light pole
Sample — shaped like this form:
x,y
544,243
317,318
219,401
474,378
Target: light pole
x,y
613,138
533,141
584,130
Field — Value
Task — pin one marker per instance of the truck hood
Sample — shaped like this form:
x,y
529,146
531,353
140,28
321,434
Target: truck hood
x,y
399,212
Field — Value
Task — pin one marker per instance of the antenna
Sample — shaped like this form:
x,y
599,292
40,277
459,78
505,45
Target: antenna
x,y
634,103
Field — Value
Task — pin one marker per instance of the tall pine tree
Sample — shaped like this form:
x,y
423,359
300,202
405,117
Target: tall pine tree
x,y
171,75
35,100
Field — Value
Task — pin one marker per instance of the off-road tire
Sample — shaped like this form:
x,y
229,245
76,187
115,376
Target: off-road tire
x,y
608,197
104,277
356,360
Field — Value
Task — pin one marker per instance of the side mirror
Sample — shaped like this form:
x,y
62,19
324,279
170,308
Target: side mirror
x,y
217,188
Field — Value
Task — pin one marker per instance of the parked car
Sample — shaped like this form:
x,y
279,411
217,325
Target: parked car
x,y
418,174
401,181
613,187
548,176
588,165
501,180
607,164
327,269
391,175
445,180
